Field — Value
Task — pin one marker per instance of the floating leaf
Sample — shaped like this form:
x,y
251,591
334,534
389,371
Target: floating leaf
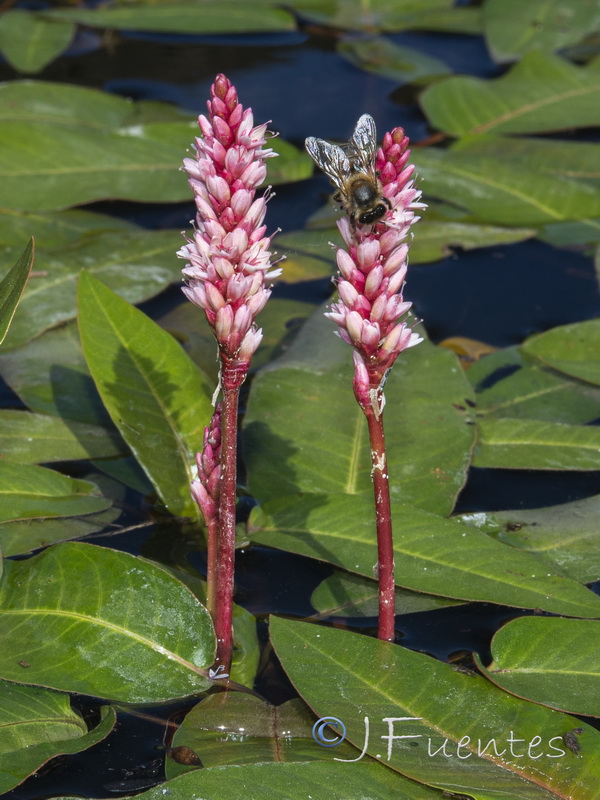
x,y
564,234
58,229
541,93
29,42
130,356
391,15
37,438
21,537
242,729
533,444
30,491
572,349
436,240
564,536
317,441
433,720
432,554
224,16
389,60
50,376
501,192
513,28
137,264
38,725
12,287
507,385
365,779
92,620
291,164
573,160
565,675
345,594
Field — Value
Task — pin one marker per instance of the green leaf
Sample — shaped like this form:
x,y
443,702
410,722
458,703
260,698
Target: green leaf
x,y
436,240
564,536
225,16
564,676
345,594
382,57
50,376
12,287
304,431
29,42
92,620
21,537
541,93
58,229
572,349
513,28
503,193
37,438
407,694
138,264
38,725
130,356
391,15
563,234
232,728
578,161
292,164
29,492
534,444
432,554
288,781
507,385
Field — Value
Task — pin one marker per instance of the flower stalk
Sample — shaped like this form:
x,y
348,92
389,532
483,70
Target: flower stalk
x,y
228,264
370,315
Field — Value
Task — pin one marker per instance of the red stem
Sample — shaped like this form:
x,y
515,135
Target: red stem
x,y
383,519
212,539
233,375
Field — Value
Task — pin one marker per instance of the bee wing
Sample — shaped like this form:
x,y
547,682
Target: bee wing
x,y
364,143
331,159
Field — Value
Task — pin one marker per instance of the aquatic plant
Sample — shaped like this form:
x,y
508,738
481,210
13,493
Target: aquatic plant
x,y
228,265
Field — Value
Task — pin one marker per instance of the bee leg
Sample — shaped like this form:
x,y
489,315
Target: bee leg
x,y
387,202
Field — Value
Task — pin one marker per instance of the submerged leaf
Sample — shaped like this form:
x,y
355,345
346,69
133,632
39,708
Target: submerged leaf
x,y
232,728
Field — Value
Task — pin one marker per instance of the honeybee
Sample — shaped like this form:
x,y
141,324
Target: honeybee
x,y
351,169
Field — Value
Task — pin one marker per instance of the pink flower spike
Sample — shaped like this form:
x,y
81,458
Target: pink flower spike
x,y
373,265
229,240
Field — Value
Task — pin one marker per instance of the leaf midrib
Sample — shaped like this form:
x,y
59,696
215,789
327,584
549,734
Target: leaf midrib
x,y
155,646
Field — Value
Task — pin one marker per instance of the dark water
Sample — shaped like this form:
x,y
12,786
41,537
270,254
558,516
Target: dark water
x,y
499,294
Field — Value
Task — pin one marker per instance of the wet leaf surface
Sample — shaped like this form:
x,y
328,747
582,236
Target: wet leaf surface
x,y
92,620
363,677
